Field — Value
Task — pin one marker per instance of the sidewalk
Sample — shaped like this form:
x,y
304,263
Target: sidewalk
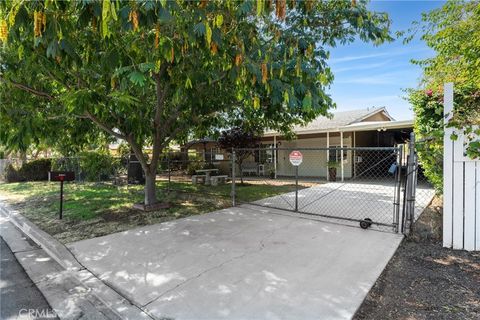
x,y
72,292
19,296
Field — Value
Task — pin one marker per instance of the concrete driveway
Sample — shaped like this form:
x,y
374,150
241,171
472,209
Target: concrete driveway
x,y
241,263
350,199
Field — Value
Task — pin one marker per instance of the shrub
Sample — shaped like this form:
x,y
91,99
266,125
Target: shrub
x,y
97,166
193,166
36,170
428,128
12,174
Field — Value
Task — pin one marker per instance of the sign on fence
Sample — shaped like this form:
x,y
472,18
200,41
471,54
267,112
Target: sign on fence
x,y
461,188
296,158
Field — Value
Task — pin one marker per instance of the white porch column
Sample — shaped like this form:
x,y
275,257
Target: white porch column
x,y
275,155
328,154
341,153
354,155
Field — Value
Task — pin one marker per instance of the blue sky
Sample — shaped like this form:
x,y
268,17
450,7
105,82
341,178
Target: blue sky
x,y
367,76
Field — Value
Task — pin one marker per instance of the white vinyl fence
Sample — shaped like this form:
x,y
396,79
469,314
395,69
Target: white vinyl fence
x,y
461,211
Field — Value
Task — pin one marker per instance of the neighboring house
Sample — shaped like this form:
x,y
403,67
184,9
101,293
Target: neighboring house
x,y
372,127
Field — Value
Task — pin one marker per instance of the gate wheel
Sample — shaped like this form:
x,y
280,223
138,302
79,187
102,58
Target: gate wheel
x,y
365,223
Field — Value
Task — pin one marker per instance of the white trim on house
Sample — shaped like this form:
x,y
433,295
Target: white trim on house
x,y
360,126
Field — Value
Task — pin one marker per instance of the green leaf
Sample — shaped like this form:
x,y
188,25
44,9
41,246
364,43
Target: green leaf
x,y
208,33
219,20
137,78
188,83
256,103
260,6
113,12
307,101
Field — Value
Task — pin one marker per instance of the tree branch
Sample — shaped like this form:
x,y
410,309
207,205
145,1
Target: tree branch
x,y
201,84
137,149
104,126
29,89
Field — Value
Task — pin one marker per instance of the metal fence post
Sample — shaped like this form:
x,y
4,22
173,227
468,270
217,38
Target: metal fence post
x,y
410,185
169,170
296,188
399,185
233,179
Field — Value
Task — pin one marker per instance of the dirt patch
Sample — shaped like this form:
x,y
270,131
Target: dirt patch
x,y
424,280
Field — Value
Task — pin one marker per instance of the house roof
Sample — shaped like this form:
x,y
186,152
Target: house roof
x,y
347,121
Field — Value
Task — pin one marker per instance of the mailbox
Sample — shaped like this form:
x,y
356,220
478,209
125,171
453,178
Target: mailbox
x,y
61,176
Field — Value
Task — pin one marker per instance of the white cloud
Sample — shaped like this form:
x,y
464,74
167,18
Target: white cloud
x,y
389,53
362,66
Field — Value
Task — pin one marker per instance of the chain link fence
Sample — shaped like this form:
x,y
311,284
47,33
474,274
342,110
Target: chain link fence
x,y
354,184
374,187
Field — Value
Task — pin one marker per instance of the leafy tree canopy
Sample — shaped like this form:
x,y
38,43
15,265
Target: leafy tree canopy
x,y
453,32
150,72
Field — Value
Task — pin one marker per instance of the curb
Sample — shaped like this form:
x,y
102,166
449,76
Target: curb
x,y
115,302
54,248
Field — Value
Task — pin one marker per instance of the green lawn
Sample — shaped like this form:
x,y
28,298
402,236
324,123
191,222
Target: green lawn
x,y
92,210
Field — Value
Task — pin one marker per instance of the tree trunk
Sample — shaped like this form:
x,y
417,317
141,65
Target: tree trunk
x,y
150,187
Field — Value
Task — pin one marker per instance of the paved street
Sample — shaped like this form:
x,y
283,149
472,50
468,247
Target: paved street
x,y
20,298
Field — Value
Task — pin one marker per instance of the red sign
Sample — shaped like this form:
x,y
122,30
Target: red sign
x,y
296,158
61,176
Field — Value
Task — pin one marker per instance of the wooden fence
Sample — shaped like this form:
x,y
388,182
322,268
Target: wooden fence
x,y
461,212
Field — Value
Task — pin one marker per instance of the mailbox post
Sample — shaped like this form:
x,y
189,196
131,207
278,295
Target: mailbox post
x,y
61,176
296,159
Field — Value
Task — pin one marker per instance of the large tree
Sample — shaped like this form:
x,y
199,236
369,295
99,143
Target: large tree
x,y
453,32
150,72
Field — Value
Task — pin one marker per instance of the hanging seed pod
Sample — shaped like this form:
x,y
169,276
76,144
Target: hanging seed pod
x,y
157,36
281,9
213,48
94,23
264,73
36,27
172,53
3,31
309,5
203,3
44,21
238,59
354,3
133,18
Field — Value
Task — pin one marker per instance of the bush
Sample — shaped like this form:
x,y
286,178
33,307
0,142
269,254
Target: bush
x,y
97,166
36,170
193,166
428,128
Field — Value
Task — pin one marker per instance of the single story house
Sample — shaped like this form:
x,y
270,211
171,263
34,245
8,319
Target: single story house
x,y
372,127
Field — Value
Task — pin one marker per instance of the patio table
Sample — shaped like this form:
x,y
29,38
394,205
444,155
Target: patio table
x,y
207,172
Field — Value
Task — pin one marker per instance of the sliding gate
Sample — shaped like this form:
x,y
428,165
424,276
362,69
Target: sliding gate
x,y
360,185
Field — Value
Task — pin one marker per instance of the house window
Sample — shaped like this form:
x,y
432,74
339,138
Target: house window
x,y
266,153
335,154
215,154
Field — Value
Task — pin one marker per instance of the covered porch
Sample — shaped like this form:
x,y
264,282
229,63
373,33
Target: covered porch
x,y
351,149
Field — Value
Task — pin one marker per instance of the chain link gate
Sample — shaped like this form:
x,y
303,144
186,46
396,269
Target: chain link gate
x,y
351,184
418,192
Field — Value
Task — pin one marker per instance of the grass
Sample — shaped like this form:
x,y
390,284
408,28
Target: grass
x,y
92,209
